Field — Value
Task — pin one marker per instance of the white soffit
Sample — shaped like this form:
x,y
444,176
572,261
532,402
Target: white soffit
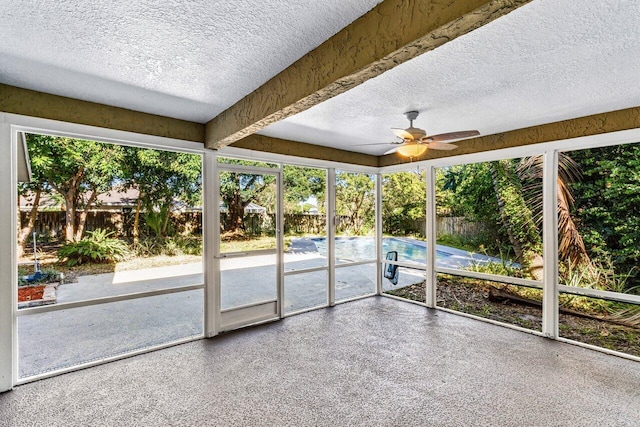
x,y
547,61
189,59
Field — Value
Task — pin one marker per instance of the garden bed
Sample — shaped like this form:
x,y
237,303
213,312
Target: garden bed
x,y
36,295
30,293
471,297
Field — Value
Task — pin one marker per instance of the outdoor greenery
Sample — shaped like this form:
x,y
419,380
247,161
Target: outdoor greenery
x,y
355,202
166,182
96,246
169,246
598,216
300,184
597,188
76,170
403,201
607,208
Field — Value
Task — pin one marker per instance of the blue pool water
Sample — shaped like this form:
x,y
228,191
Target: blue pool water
x,y
363,248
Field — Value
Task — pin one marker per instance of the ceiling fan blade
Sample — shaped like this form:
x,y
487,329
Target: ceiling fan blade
x,y
401,133
453,135
436,145
380,143
393,150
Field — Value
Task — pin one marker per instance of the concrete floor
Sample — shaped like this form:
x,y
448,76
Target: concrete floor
x,y
376,361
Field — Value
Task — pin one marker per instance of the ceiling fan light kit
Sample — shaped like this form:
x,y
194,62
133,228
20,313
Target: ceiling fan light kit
x,y
415,141
412,149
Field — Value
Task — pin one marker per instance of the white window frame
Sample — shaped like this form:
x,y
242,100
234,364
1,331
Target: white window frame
x,y
551,287
10,127
11,124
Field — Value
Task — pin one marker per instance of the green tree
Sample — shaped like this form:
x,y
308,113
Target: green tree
x,y
78,170
237,190
403,201
530,170
516,217
492,194
165,180
32,192
607,205
300,184
355,200
468,191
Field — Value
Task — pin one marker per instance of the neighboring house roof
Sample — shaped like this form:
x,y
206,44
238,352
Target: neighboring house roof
x,y
250,208
113,199
253,208
107,201
127,198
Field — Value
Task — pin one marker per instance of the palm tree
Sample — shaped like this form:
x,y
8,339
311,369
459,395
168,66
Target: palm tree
x,y
516,217
570,246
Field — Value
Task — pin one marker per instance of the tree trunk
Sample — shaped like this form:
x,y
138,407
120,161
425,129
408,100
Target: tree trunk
x,y
235,208
165,222
26,231
70,195
69,218
82,221
236,211
517,218
136,223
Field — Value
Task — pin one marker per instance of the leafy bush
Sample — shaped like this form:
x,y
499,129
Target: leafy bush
x,y
97,246
597,275
171,246
503,268
471,244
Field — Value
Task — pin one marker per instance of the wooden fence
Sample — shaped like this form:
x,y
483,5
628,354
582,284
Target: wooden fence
x,y
52,224
459,226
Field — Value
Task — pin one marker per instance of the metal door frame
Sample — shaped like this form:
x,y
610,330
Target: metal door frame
x,y
250,314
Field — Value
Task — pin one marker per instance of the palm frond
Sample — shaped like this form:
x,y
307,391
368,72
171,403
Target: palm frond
x,y
530,171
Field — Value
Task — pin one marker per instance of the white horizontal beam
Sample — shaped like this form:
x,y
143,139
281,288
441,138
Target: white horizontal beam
x,y
105,300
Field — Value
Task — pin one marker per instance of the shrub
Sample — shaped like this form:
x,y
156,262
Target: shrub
x,y
170,246
503,268
596,275
97,246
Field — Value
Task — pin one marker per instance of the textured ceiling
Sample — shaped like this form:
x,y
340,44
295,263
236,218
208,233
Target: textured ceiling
x,y
547,61
189,59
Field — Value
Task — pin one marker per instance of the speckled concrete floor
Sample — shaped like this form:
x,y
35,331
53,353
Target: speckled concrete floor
x,y
376,361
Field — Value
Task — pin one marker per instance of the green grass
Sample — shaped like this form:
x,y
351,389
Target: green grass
x,y
458,242
252,244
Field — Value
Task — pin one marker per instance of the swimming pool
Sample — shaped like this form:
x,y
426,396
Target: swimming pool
x,y
363,248
349,249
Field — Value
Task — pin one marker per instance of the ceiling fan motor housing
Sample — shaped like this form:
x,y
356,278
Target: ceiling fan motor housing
x,y
411,115
417,133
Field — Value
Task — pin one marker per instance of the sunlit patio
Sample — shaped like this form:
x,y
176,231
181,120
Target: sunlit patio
x,y
371,362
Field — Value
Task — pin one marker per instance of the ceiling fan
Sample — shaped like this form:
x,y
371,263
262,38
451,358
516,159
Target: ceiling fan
x,y
415,141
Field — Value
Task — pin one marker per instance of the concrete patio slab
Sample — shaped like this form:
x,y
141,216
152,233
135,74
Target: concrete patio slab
x,y
375,361
57,340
